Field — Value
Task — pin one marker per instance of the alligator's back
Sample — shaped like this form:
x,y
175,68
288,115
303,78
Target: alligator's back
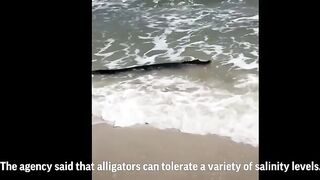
x,y
152,66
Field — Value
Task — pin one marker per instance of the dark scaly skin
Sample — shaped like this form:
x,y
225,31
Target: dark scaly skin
x,y
152,66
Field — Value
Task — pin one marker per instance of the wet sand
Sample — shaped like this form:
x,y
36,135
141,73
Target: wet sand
x,y
144,144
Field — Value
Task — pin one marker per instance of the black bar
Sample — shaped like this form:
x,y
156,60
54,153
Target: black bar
x,y
46,83
288,85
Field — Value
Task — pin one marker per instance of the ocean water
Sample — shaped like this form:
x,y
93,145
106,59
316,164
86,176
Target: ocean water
x,y
220,98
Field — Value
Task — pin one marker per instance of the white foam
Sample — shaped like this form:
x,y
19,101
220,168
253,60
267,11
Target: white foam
x,y
102,50
242,19
104,4
177,102
239,61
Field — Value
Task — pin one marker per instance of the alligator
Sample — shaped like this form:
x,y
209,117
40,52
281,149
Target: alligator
x,y
152,66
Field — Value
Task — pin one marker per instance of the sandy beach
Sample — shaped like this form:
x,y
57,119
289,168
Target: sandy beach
x,y
144,144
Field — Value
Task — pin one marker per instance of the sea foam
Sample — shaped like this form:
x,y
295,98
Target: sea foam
x,y
180,103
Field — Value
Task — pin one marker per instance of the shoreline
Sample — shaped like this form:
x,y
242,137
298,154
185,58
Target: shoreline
x,y
144,144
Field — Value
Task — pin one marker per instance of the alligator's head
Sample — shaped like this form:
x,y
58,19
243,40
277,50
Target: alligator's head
x,y
198,61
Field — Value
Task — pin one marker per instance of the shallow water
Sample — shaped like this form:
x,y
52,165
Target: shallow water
x,y
220,98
